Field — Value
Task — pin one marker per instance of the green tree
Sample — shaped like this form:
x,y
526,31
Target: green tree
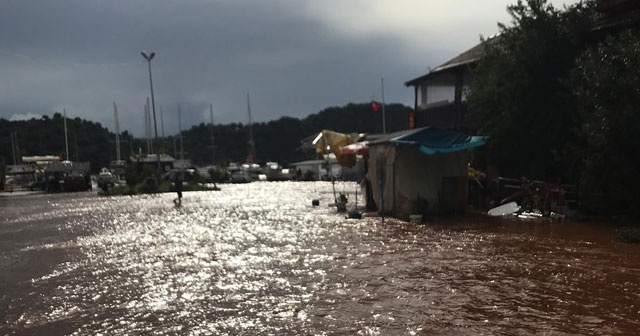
x,y
520,94
608,90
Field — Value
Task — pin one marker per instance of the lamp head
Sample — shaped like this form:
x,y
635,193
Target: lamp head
x,y
148,57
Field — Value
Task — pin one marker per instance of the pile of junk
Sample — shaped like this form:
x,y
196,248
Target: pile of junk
x,y
527,199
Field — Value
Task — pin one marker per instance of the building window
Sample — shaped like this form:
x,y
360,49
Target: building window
x,y
440,94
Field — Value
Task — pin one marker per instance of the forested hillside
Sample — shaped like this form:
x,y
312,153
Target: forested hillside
x,y
277,140
88,141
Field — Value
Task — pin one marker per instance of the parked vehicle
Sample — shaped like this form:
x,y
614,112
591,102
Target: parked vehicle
x,y
240,176
188,174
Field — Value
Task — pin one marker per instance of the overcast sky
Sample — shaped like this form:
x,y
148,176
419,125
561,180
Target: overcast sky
x,y
294,57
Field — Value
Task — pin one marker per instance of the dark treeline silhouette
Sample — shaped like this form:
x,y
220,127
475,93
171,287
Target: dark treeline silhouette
x,y
87,140
277,140
557,93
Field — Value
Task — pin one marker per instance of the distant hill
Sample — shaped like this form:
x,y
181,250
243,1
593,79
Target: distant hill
x,y
88,141
277,140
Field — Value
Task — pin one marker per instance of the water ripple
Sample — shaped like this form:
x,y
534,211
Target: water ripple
x,y
259,259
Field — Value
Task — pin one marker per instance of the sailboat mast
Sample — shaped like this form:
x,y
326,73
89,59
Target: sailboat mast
x,y
146,126
180,128
13,148
252,145
213,144
115,116
150,130
162,122
66,143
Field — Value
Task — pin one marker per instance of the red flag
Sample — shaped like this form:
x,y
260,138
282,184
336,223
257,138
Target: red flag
x,y
375,106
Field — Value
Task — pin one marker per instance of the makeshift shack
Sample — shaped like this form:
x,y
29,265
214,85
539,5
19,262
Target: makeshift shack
x,y
420,171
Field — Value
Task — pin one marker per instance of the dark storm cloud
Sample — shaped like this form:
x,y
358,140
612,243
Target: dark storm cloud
x,y
82,55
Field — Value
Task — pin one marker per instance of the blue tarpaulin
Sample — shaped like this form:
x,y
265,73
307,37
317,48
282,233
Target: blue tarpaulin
x,y
432,140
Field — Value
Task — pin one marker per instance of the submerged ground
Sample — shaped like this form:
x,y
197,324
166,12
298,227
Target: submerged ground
x,y
259,259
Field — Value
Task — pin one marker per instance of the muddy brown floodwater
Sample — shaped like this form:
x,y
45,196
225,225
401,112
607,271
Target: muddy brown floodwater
x,y
258,259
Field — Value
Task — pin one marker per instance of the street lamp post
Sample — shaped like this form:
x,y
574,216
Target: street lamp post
x,y
153,103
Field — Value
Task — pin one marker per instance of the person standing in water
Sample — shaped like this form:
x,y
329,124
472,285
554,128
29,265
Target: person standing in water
x,y
177,186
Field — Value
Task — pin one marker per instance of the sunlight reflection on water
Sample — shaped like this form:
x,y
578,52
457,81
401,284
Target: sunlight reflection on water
x,y
259,259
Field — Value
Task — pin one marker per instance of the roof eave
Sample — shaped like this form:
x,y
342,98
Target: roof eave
x,y
440,69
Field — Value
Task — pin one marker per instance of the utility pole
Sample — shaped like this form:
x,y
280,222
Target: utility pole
x,y
384,117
